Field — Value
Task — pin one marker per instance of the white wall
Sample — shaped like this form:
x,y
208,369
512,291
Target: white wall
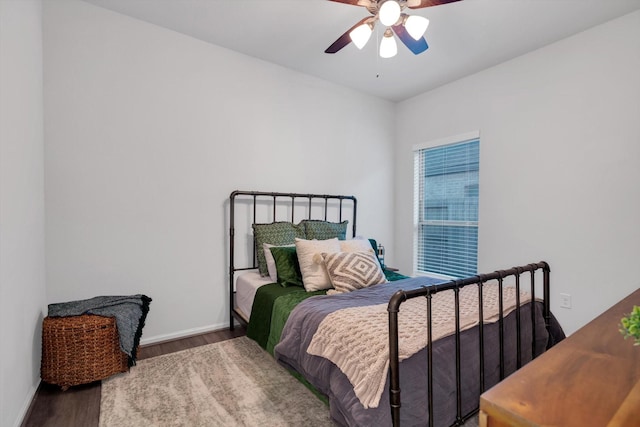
x,y
22,264
148,132
559,176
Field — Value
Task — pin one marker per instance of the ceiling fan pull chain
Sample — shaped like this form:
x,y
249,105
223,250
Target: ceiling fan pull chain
x,y
375,51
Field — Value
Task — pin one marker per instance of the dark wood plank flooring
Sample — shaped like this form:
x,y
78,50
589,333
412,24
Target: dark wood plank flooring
x,y
80,406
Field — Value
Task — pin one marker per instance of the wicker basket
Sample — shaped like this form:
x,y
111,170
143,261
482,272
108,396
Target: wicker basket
x,y
80,349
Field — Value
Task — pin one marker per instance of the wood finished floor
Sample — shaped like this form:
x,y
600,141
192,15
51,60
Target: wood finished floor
x,y
80,406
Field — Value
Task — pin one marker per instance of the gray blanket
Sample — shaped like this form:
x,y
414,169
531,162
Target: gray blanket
x,y
130,313
346,408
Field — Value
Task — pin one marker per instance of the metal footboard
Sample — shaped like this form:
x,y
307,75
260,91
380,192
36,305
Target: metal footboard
x,y
427,292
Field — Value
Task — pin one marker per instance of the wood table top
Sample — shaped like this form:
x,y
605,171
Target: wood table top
x,y
592,378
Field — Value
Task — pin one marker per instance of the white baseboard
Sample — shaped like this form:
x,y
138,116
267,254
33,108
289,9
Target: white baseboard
x,y
25,406
184,333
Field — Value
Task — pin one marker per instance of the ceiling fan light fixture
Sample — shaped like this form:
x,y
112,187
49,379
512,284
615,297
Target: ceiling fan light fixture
x,y
388,45
360,35
389,13
416,26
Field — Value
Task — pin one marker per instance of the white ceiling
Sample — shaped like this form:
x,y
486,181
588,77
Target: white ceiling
x,y
464,37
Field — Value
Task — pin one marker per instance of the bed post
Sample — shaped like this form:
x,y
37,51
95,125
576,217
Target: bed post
x,y
518,321
456,294
355,210
394,365
547,293
231,257
481,280
500,278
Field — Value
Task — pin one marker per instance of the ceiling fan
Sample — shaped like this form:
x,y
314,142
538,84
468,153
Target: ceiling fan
x,y
410,29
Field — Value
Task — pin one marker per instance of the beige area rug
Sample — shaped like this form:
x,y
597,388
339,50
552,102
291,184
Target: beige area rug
x,y
230,383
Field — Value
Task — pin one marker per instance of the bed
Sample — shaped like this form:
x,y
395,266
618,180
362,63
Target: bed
x,y
407,351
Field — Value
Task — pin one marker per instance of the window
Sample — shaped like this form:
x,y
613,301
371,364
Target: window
x,y
446,207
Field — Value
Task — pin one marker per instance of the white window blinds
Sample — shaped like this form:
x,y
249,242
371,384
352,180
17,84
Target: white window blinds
x,y
446,208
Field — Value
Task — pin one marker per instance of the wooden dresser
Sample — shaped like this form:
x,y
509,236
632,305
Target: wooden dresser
x,y
590,379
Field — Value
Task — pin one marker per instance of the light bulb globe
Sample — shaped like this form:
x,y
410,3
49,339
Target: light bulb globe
x,y
360,35
389,13
416,26
388,47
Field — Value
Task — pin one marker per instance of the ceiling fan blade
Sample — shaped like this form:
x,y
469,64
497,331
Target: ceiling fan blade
x,y
415,46
344,39
417,4
363,3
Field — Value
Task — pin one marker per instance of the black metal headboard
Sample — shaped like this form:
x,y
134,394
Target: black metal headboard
x,y
317,206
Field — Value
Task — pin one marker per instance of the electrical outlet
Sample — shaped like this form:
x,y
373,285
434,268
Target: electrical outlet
x,y
565,300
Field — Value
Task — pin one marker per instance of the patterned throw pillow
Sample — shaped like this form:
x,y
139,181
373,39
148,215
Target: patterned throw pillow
x,y
361,244
349,271
323,230
277,234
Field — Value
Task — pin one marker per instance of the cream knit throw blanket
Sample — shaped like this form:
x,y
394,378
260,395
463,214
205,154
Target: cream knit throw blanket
x,y
357,339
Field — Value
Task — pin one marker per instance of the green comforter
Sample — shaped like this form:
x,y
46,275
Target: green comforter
x,y
272,306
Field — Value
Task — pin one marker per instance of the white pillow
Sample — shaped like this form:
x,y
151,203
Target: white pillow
x,y
314,273
271,263
357,244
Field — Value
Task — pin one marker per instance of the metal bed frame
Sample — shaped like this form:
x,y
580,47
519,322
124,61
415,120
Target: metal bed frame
x,y
328,203
253,198
427,292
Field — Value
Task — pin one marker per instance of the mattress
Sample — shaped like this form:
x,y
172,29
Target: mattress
x,y
247,283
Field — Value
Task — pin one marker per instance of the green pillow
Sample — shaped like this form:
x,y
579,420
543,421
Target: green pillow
x,y
287,265
275,233
323,230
